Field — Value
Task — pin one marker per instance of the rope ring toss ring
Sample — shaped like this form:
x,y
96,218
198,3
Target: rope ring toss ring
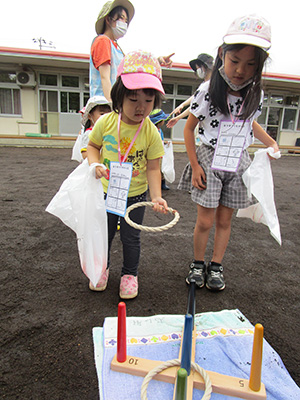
x,y
148,228
173,363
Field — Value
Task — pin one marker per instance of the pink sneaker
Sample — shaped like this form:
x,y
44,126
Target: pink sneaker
x,y
128,287
102,283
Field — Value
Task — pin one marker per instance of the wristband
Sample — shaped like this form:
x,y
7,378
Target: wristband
x,y
98,165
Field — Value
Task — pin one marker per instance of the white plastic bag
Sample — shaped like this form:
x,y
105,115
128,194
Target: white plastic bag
x,y
167,165
76,151
80,205
259,182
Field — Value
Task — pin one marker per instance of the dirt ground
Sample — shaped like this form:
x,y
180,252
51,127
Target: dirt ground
x,y
48,312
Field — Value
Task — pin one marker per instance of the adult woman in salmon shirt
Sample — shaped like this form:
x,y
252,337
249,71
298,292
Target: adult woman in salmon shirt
x,y
112,24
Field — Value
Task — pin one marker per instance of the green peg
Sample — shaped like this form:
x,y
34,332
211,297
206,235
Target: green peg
x,y
181,384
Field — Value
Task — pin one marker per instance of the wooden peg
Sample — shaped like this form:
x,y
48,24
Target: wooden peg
x,y
256,363
121,338
186,354
181,384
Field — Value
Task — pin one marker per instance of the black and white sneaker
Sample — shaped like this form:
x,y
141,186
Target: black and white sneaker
x,y
214,277
196,274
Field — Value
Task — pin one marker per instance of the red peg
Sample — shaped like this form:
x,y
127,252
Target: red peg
x,y
121,339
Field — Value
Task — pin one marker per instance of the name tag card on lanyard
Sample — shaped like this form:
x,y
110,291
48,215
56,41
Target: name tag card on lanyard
x,y
230,145
120,177
231,142
119,182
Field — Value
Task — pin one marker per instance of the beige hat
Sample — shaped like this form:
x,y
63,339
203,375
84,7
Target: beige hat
x,y
107,8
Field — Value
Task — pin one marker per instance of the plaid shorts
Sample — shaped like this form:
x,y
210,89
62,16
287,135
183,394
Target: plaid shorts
x,y
222,187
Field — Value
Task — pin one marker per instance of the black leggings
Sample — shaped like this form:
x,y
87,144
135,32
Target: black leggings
x,y
130,237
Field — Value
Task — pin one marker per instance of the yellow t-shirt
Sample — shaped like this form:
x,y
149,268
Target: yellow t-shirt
x,y
147,146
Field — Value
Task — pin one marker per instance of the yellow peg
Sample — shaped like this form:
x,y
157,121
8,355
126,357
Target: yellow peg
x,y
256,363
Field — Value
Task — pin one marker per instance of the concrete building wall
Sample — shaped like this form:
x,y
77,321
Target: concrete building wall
x,y
282,96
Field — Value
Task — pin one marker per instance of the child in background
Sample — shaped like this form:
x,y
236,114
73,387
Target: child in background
x,y
127,135
158,117
202,66
226,106
95,107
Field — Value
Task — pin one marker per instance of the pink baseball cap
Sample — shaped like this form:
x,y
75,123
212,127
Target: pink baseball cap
x,y
141,70
250,29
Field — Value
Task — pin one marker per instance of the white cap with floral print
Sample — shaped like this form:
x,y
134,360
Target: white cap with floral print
x,y
250,29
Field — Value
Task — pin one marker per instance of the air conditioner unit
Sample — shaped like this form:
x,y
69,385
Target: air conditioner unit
x,y
25,78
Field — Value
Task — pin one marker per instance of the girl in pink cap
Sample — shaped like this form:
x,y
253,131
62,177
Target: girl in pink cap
x,y
225,108
126,138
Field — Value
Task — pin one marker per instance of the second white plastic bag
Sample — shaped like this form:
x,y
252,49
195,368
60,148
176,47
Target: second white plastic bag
x,y
259,181
167,166
76,151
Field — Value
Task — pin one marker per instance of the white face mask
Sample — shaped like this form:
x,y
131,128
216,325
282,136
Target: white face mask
x,y
119,30
232,86
201,73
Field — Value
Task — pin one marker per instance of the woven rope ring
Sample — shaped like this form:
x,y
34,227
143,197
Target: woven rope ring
x,y
148,228
173,363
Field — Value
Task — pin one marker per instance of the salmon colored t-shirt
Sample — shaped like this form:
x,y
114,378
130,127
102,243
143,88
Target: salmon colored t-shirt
x,y
101,50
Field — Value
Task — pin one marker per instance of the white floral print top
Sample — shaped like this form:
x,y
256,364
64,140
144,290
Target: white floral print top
x,y
210,118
